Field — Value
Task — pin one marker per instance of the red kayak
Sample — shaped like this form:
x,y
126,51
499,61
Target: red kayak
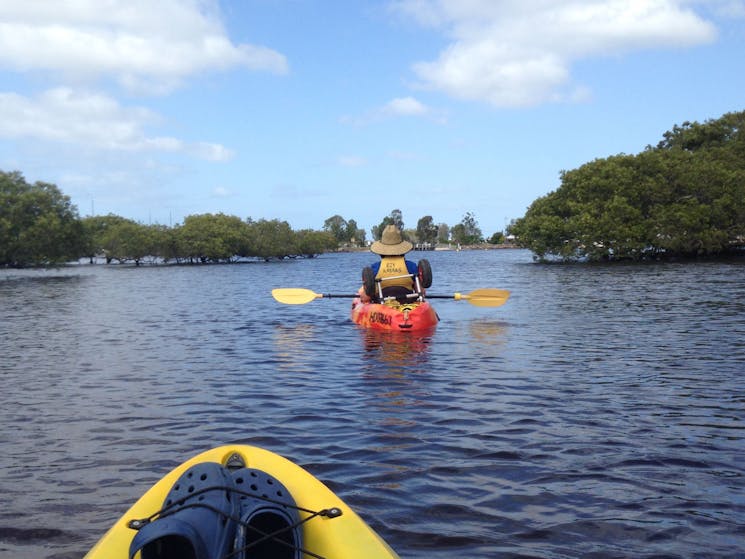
x,y
393,316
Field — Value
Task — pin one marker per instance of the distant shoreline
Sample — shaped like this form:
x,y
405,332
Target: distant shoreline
x,y
441,248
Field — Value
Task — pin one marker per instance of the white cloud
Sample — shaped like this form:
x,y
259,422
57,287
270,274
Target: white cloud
x,y
143,45
405,106
398,107
92,120
211,152
351,161
515,53
221,192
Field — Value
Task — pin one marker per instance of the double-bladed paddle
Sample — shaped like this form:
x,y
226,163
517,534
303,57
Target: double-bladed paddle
x,y
488,297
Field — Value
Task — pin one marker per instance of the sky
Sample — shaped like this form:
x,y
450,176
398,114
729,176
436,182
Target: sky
x,y
300,110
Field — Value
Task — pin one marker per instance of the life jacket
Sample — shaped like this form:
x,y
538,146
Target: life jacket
x,y
393,273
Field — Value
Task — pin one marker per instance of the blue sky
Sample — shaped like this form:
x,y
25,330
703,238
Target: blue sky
x,y
303,109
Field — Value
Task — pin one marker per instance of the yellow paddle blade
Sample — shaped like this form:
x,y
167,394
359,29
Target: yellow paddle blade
x,y
294,295
488,297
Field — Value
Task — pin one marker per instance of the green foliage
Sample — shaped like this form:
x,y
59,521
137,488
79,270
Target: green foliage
x,y
355,235
338,227
458,233
211,238
97,230
497,238
426,230
127,240
271,239
38,224
310,243
684,198
394,218
443,233
345,232
397,218
467,232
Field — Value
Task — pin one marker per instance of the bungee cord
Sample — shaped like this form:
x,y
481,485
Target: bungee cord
x,y
188,502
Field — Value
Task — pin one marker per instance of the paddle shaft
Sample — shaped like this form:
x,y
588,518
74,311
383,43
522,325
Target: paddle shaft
x,y
488,297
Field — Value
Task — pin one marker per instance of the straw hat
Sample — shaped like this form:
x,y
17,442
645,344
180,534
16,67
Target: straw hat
x,y
390,243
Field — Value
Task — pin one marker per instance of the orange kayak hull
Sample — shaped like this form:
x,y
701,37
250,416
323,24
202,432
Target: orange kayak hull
x,y
407,317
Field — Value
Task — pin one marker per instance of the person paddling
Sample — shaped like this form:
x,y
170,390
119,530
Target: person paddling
x,y
393,275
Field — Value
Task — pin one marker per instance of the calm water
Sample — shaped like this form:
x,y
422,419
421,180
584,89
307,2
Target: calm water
x,y
599,413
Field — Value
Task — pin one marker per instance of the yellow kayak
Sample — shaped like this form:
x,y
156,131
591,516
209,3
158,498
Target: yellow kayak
x,y
240,501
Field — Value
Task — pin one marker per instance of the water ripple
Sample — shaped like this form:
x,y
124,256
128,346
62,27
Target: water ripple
x,y
598,414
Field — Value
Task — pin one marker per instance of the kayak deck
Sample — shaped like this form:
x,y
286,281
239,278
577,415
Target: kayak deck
x,y
329,527
394,316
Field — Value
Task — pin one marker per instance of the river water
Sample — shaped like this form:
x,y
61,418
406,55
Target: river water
x,y
599,413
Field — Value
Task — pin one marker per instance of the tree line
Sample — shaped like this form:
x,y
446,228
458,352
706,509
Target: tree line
x,y
683,198
39,226
202,238
427,232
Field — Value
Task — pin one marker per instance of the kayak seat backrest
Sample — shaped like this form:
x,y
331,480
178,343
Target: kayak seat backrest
x,y
400,293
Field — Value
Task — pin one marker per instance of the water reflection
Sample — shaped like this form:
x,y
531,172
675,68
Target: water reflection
x,y
396,371
291,343
291,336
488,333
396,352
474,342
